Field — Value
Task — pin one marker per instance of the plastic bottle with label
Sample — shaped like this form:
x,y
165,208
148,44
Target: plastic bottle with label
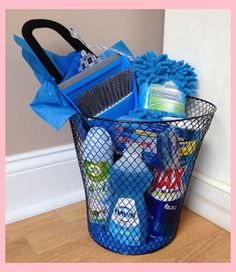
x,y
97,160
166,193
129,178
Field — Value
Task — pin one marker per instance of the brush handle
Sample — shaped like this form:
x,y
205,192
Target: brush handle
x,y
27,32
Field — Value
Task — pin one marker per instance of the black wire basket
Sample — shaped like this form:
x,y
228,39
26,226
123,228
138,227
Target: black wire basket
x,y
136,175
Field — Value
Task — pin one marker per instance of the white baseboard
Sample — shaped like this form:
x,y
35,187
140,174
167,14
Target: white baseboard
x,y
209,198
42,207
40,181
43,180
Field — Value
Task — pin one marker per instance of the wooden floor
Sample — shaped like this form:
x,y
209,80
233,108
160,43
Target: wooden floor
x,y
62,236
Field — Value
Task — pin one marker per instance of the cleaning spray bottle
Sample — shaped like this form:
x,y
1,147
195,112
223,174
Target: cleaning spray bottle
x,y
129,177
97,160
166,193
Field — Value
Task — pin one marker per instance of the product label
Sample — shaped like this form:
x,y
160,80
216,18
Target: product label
x,y
97,174
144,135
96,177
125,213
97,206
166,98
168,184
98,214
143,144
187,147
170,207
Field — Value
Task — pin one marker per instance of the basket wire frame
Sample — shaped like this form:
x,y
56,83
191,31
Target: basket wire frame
x,y
177,144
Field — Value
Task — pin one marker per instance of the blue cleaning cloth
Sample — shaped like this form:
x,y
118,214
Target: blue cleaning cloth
x,y
50,103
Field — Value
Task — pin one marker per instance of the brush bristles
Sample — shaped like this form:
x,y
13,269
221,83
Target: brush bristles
x,y
105,94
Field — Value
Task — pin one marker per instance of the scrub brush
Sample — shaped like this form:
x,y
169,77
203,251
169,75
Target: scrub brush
x,y
106,95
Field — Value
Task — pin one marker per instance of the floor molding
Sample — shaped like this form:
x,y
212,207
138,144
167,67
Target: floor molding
x,y
40,181
43,207
209,198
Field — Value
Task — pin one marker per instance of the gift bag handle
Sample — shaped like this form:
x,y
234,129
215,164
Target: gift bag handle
x,y
27,33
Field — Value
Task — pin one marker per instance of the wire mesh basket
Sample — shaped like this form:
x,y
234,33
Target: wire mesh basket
x,y
136,175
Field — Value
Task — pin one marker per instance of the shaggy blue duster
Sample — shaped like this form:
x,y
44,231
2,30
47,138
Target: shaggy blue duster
x,y
157,69
151,68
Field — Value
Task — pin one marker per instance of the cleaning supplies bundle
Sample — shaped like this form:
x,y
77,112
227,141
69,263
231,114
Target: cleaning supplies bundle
x,y
136,150
104,86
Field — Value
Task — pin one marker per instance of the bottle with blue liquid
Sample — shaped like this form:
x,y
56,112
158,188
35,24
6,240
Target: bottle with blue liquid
x,y
129,179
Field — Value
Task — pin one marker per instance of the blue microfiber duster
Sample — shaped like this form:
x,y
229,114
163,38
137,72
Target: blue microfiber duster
x,y
163,84
151,68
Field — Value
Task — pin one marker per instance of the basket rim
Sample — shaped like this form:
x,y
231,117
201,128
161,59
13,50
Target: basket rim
x,y
211,113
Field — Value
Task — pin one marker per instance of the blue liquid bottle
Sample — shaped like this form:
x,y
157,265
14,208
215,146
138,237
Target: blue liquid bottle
x,y
129,179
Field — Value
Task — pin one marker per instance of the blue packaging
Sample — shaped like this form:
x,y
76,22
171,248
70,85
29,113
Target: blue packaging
x,y
147,136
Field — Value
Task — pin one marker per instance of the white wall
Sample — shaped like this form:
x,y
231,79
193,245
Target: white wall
x,y
202,38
